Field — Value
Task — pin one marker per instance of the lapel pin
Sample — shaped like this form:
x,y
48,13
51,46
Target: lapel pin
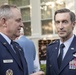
x,y
55,47
4,43
50,65
72,48
19,49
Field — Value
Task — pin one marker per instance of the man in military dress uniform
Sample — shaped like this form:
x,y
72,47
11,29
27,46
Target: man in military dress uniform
x,y
61,55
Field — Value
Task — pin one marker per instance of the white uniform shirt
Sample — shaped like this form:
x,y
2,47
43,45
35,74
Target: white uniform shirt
x,y
67,45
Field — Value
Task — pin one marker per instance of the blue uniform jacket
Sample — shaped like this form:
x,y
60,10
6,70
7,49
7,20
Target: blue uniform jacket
x,y
68,66
9,64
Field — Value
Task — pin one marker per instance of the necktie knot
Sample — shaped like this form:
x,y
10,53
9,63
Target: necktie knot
x,y
13,45
12,42
62,46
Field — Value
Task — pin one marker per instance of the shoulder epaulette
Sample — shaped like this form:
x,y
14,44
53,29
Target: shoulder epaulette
x,y
54,42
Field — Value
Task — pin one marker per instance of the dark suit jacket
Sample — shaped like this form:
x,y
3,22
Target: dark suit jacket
x,y
70,58
9,63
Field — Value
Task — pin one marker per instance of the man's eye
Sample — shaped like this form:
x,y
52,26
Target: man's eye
x,y
65,21
18,20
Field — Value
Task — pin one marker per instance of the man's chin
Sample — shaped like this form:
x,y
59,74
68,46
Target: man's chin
x,y
62,36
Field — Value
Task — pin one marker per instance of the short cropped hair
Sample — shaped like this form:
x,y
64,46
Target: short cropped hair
x,y
5,11
72,15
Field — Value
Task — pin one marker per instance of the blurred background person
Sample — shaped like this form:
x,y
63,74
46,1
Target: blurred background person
x,y
29,52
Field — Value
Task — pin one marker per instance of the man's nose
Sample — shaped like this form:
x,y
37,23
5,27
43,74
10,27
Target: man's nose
x,y
61,25
22,25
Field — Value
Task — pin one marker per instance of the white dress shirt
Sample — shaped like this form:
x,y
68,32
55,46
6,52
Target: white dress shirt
x,y
67,45
36,63
6,38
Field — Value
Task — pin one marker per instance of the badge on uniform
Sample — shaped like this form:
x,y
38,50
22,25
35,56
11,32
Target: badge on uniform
x,y
74,55
9,72
8,61
72,64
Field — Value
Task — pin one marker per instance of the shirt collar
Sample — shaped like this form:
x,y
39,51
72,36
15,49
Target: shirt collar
x,y
6,38
68,42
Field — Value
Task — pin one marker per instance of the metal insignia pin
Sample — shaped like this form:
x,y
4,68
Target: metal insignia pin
x,y
9,72
4,43
50,65
20,49
55,47
72,48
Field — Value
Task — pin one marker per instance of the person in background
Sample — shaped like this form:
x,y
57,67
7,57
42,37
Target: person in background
x,y
29,52
61,54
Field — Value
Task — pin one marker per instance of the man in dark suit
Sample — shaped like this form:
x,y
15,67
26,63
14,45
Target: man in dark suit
x,y
62,60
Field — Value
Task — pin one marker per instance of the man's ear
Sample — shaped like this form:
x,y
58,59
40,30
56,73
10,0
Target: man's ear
x,y
74,23
3,21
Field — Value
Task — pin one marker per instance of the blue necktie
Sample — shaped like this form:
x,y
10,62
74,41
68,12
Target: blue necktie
x,y
19,57
59,59
16,50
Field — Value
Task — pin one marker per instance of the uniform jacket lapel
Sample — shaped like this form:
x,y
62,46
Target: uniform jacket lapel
x,y
9,49
24,63
54,56
69,55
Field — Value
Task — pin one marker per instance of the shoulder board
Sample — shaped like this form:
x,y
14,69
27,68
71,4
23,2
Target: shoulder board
x,y
54,42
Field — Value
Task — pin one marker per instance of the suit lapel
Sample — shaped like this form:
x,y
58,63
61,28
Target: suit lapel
x,y
54,55
9,49
69,55
24,63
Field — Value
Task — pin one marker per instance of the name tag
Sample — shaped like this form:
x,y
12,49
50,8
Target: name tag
x,y
8,61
